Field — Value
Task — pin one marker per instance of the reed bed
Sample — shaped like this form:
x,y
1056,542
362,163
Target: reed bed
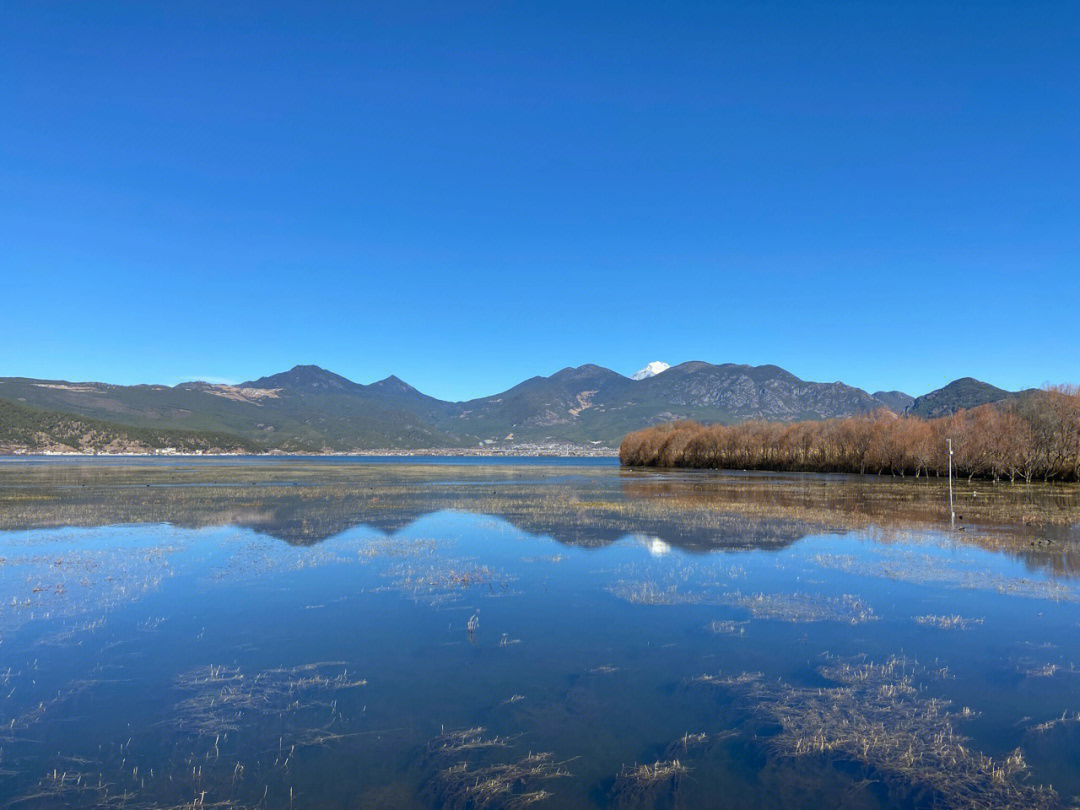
x,y
1030,438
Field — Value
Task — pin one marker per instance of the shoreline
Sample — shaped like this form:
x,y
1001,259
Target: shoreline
x,y
519,451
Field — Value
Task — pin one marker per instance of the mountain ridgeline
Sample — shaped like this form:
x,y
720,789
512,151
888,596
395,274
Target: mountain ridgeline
x,y
310,409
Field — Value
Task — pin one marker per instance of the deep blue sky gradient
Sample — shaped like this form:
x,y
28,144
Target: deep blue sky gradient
x,y
468,194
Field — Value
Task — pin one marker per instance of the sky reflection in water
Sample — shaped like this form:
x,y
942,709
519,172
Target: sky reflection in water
x,y
457,660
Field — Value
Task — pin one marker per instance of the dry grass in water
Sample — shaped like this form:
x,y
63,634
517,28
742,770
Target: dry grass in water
x,y
1065,721
76,582
690,585
637,784
14,725
947,622
392,547
467,776
1036,670
69,788
651,593
75,787
877,716
802,607
224,700
448,581
728,628
701,742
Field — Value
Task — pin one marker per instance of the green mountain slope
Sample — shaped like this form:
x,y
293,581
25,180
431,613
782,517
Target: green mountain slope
x,y
966,392
310,409
35,430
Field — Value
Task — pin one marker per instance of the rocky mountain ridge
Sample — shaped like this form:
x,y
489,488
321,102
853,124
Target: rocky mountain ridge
x,y
311,409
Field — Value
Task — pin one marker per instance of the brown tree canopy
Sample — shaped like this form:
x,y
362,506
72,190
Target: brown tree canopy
x,y
1036,438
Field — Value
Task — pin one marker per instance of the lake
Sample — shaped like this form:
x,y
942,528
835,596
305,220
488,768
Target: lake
x,y
420,633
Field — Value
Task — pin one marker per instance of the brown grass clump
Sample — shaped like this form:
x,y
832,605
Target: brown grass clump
x,y
876,715
636,784
467,777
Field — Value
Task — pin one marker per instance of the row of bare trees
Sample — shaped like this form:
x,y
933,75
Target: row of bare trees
x,y
1034,438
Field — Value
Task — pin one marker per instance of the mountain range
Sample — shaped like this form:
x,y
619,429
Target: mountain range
x,y
310,409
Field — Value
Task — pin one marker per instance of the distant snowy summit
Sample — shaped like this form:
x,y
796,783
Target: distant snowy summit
x,y
650,370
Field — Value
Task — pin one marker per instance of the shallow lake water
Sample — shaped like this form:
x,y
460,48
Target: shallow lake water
x,y
353,634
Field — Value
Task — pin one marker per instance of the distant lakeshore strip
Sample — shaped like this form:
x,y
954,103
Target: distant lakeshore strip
x,y
556,450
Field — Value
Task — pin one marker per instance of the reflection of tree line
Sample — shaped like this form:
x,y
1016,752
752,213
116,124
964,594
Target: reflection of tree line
x,y
1039,523
1034,438
692,511
852,502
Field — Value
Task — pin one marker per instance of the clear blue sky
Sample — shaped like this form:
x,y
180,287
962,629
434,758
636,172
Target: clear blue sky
x,y
468,194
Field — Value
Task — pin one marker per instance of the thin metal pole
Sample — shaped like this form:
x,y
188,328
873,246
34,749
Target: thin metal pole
x,y
952,512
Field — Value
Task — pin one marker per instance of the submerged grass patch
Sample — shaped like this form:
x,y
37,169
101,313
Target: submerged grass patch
x,y
448,580
468,770
224,700
637,784
801,607
876,715
786,607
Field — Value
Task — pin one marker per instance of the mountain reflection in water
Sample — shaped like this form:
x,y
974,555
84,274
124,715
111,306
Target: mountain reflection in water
x,y
501,636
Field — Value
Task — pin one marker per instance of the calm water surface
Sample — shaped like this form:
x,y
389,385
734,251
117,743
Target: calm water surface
x,y
291,634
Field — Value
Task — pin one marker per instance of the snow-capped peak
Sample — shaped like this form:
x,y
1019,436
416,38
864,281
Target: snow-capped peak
x,y
650,370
